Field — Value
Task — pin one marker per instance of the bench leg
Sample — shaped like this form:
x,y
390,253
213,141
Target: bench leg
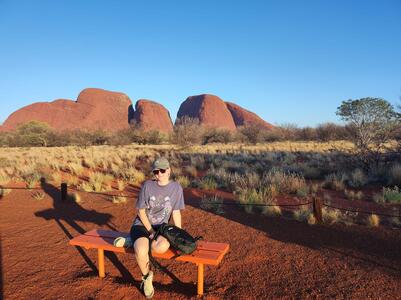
x,y
100,255
200,279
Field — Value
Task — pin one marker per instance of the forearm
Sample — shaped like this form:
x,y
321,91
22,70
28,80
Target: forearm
x,y
144,218
177,218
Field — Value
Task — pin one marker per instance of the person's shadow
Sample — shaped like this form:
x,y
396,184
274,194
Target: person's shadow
x,y
71,212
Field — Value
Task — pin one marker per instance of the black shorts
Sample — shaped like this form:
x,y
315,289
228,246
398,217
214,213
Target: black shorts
x,y
138,231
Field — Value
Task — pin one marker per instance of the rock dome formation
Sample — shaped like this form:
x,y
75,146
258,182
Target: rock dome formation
x,y
243,117
150,115
209,109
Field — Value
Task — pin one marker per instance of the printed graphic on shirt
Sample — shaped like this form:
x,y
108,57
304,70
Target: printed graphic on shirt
x,y
158,209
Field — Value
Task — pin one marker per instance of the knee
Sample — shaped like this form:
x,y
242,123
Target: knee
x,y
141,251
161,246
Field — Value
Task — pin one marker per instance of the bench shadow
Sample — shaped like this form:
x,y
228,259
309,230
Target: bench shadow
x,y
71,213
364,245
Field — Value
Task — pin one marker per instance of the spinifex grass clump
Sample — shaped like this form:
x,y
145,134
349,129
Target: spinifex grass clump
x,y
38,195
373,220
304,214
119,199
388,195
97,182
334,181
357,178
32,179
352,195
183,181
212,203
207,183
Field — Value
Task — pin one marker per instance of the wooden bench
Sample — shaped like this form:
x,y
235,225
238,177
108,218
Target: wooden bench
x,y
207,253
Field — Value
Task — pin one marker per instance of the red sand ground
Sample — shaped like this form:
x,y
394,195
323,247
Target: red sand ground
x,y
269,257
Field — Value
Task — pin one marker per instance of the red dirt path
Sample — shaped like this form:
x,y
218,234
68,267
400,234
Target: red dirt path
x,y
269,257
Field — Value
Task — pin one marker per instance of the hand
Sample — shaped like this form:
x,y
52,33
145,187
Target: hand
x,y
152,235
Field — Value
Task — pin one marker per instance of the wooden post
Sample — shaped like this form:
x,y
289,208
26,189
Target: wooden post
x,y
200,279
317,209
63,191
100,255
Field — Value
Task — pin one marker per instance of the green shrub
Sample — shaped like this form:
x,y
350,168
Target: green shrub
x,y
183,181
212,204
208,183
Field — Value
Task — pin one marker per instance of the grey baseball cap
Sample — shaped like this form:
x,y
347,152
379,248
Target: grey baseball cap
x,y
160,163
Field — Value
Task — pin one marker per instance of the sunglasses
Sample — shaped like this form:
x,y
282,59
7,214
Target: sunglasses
x,y
155,172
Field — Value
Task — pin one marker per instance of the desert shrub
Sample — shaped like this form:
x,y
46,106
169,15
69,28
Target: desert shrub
x,y
303,191
392,195
285,182
75,168
31,179
352,195
216,135
121,185
183,181
330,216
334,181
155,137
187,131
252,133
213,203
357,178
249,197
271,211
388,195
307,134
330,132
132,175
302,214
373,220
4,178
207,183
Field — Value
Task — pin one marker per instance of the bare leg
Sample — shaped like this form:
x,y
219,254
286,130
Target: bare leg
x,y
141,248
160,245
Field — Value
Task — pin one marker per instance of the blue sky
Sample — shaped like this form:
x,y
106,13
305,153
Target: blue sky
x,y
288,61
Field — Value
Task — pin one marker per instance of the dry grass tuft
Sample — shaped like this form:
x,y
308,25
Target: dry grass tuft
x,y
38,195
373,220
119,199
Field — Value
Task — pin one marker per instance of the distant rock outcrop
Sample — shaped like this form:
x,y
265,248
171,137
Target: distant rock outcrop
x,y
150,115
214,112
209,109
94,109
243,117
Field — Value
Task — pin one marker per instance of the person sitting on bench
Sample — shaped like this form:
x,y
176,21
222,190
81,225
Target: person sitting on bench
x,y
158,200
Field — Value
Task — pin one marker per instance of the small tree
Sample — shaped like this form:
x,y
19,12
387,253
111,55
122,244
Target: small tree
x,y
34,133
371,123
187,131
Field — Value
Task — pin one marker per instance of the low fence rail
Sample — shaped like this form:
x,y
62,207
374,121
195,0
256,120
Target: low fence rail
x,y
317,203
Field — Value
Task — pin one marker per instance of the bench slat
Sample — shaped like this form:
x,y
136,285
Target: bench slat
x,y
206,253
211,246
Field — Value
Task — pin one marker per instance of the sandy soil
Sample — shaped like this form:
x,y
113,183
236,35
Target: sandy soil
x,y
269,257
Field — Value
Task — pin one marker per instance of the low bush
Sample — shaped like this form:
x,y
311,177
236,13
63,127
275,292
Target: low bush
x,y
212,203
334,181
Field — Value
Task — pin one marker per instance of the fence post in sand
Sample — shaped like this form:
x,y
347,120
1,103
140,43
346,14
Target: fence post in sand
x,y
63,191
317,209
